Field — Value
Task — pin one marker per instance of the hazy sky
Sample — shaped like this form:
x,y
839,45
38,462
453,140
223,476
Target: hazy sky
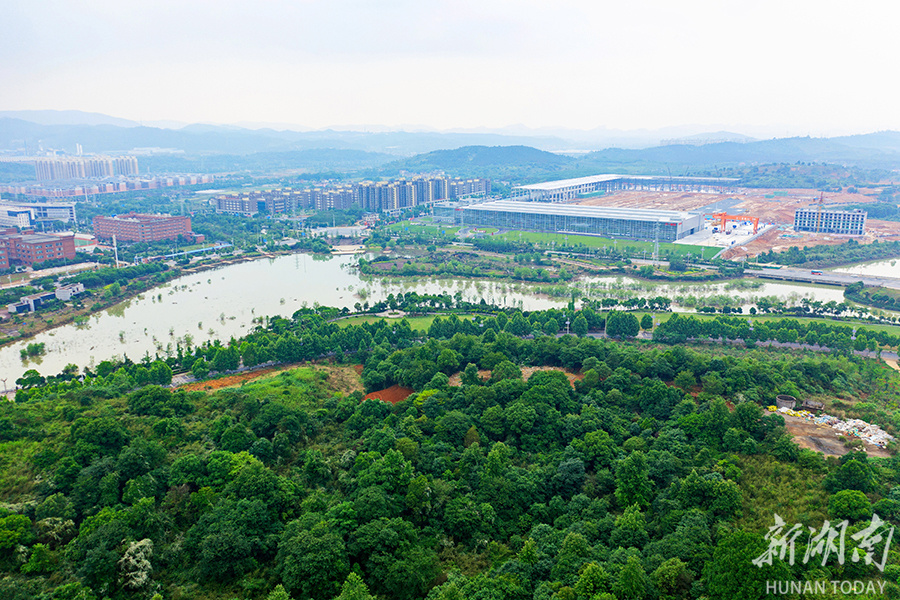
x,y
790,66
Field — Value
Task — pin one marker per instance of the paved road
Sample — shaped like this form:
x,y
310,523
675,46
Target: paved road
x,y
828,277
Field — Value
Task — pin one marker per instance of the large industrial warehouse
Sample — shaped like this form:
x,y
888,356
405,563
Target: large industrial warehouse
x,y
562,190
662,225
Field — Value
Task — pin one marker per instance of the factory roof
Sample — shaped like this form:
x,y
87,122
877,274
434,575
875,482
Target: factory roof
x,y
576,210
559,184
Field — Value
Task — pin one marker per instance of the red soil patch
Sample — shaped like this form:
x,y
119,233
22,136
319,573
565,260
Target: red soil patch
x,y
358,369
340,378
229,380
393,394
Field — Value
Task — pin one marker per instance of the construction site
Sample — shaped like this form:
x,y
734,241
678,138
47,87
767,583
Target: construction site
x,y
757,220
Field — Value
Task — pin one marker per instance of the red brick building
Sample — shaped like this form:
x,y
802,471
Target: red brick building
x,y
134,227
30,248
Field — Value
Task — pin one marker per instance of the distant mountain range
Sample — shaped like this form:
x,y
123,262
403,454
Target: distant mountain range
x,y
99,136
514,152
873,151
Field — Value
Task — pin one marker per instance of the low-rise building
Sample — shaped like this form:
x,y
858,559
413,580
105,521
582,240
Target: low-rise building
x,y
28,248
628,223
33,302
27,214
135,227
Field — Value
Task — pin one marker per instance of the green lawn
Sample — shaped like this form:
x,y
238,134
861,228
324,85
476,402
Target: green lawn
x,y
196,246
549,240
421,323
407,227
631,246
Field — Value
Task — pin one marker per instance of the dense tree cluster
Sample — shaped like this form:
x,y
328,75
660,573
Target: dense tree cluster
x,y
839,338
109,275
850,251
463,264
880,297
646,477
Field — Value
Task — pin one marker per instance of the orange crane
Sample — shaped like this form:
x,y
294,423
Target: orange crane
x,y
725,217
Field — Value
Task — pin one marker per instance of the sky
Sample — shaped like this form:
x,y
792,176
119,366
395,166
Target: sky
x,y
776,68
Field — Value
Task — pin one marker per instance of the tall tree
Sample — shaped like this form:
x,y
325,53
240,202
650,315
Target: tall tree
x,y
633,481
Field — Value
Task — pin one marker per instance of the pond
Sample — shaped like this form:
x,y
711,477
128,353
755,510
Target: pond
x,y
225,302
878,268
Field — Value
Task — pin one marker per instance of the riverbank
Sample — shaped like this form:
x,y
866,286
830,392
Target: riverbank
x,y
228,298
25,326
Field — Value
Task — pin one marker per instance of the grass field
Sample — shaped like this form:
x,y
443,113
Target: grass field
x,y
631,246
634,248
436,230
421,323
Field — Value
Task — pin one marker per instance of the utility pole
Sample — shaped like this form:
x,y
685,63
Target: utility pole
x,y
656,244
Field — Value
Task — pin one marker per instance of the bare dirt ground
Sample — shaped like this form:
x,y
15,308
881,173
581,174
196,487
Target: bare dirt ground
x,y
652,199
456,378
823,439
780,241
779,210
342,379
393,394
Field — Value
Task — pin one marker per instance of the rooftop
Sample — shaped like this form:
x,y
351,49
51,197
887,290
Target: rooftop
x,y
575,210
140,218
34,238
549,186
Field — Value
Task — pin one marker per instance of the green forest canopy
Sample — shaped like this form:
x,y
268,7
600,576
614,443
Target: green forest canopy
x,y
638,482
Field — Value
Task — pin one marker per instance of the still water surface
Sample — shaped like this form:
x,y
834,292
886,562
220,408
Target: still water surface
x,y
223,303
879,268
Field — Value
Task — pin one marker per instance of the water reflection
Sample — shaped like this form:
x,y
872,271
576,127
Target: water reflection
x,y
225,302
880,268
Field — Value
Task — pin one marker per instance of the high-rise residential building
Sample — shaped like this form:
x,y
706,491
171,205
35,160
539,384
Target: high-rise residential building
x,y
59,168
372,196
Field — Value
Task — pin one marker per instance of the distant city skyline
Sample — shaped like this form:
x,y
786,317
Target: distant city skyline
x,y
763,69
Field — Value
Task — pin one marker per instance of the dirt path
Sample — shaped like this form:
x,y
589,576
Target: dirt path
x,y
892,363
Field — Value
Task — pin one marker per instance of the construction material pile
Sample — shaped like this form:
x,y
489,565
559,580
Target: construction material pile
x,y
867,432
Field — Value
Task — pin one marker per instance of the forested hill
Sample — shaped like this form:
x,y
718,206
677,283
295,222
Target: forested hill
x,y
859,153
485,161
655,475
875,151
